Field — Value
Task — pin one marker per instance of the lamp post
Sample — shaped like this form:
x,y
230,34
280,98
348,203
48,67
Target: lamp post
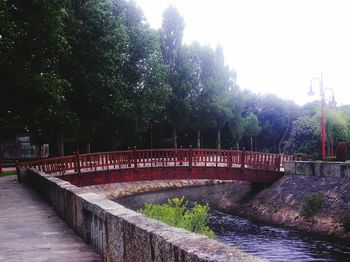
x,y
323,102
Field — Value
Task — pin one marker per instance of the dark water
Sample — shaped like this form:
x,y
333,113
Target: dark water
x,y
271,242
275,243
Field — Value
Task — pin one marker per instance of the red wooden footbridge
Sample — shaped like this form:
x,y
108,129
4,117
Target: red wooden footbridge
x,y
160,164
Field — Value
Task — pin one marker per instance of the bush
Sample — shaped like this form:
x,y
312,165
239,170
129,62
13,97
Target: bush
x,y
345,220
331,158
312,203
176,213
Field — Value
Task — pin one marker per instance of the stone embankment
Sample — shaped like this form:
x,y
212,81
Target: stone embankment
x,y
125,189
120,234
281,203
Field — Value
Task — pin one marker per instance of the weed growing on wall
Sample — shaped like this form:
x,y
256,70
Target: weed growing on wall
x,y
312,203
345,220
176,212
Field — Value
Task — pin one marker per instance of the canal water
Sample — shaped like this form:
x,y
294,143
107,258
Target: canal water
x,y
271,242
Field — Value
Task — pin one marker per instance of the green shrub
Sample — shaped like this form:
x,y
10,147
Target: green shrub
x,y
331,158
8,173
176,213
312,203
345,220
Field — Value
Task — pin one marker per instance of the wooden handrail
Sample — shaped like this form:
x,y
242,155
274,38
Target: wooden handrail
x,y
140,158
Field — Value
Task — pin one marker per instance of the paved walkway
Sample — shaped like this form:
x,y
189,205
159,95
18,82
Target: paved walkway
x,y
30,230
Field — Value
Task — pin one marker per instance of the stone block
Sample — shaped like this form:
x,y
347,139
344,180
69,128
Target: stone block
x,y
330,169
289,168
305,168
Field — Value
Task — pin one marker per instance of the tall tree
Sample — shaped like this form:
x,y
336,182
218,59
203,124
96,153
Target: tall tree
x,y
202,68
223,85
33,45
143,71
98,42
251,127
171,35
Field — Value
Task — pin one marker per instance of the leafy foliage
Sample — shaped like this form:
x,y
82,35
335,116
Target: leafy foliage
x,y
312,203
177,213
304,137
345,220
94,71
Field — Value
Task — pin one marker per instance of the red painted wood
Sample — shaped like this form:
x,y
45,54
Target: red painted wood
x,y
182,163
169,173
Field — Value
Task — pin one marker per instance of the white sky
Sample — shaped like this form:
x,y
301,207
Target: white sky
x,y
276,46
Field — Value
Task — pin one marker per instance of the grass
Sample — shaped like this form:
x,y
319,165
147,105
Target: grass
x,y
8,173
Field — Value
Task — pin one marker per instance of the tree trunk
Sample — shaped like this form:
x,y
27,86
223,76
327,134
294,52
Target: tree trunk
x,y
256,144
198,139
219,139
282,139
61,145
237,145
39,148
1,157
175,138
88,148
251,143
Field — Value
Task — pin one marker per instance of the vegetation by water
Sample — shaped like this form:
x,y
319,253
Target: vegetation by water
x,y
311,205
176,212
345,220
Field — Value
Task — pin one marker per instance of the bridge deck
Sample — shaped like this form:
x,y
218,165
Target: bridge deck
x,y
31,231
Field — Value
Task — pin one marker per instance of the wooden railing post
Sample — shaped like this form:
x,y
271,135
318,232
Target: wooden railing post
x,y
190,157
181,155
278,164
18,172
129,156
135,158
77,162
243,159
229,158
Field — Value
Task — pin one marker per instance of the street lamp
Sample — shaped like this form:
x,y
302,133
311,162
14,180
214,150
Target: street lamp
x,y
332,103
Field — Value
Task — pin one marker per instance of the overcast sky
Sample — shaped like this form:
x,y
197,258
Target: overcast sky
x,y
275,46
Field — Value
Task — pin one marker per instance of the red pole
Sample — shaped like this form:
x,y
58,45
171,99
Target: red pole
x,y
323,132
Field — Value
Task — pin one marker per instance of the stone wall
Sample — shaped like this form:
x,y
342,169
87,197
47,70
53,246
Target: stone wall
x,y
317,168
120,234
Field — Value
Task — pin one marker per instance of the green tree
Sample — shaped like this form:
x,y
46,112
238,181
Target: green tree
x,y
202,68
223,85
98,42
33,46
304,137
144,72
171,34
251,127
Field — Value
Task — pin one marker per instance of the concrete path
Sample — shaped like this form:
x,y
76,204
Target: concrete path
x,y
30,230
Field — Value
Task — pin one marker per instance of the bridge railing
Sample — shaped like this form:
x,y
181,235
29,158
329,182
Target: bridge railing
x,y
159,157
